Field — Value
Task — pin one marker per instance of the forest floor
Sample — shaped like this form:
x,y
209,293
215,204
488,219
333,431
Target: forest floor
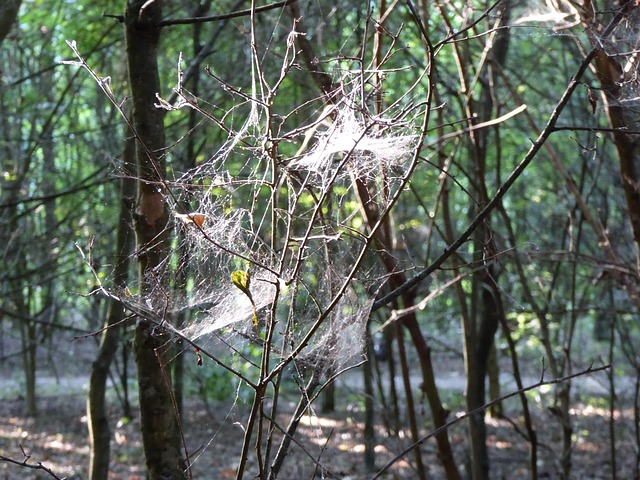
x,y
58,439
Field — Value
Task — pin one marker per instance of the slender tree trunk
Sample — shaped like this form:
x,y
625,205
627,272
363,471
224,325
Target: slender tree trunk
x,y
123,378
494,382
159,423
23,321
369,409
480,320
98,421
393,391
329,395
613,396
29,350
477,366
421,472
397,277
39,309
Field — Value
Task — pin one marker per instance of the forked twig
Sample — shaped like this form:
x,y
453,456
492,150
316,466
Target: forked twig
x,y
33,466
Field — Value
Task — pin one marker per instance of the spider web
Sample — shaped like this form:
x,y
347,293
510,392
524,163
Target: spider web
x,y
299,283
273,268
292,225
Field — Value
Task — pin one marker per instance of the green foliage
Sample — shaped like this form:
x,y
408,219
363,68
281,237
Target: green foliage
x,y
61,162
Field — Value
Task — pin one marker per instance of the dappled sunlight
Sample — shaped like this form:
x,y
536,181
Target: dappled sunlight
x,y
319,421
14,428
339,435
57,443
591,411
57,439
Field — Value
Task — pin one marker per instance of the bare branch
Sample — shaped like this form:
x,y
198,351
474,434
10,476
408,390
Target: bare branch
x,y
502,191
33,466
226,16
484,407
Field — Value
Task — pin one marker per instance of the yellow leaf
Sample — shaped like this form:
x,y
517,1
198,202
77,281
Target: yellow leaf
x,y
242,279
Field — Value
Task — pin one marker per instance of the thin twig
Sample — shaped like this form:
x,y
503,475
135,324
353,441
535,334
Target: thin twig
x,y
226,16
32,466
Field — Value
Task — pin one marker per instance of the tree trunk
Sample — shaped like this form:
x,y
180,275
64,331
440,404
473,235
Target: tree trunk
x,y
397,277
98,421
421,472
480,320
159,424
329,395
612,76
495,410
478,354
369,408
29,350
8,14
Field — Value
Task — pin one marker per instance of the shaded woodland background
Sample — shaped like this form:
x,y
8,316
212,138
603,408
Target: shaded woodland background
x,y
392,239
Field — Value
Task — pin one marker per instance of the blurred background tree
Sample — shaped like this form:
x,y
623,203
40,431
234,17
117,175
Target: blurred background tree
x,y
548,270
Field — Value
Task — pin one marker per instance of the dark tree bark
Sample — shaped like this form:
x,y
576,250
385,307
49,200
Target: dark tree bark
x,y
98,421
369,416
614,71
159,423
612,76
8,14
397,277
480,319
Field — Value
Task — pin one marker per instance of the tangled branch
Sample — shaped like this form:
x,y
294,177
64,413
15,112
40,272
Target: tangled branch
x,y
541,383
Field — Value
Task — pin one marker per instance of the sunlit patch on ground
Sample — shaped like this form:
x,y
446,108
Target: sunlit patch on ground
x,y
58,439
